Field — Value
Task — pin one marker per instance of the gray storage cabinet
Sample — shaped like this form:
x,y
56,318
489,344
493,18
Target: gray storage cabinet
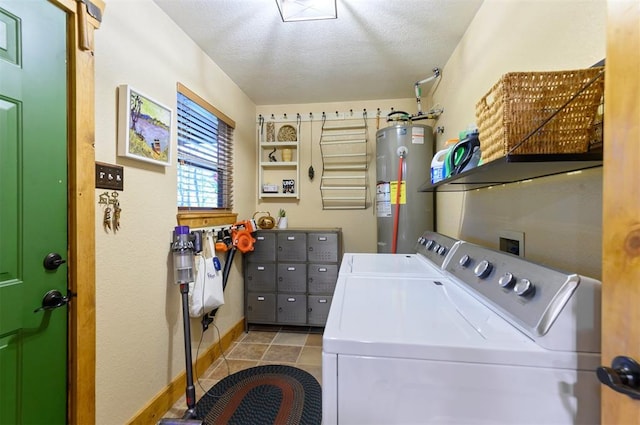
x,y
291,275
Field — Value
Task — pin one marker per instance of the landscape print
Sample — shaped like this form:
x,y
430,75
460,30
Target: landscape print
x,y
145,132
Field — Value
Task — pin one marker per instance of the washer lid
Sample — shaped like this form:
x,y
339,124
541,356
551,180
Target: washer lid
x,y
430,319
389,264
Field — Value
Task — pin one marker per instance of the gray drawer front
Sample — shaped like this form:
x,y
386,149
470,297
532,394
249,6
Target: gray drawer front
x,y
323,247
292,277
322,278
261,277
292,246
292,308
318,309
261,307
264,249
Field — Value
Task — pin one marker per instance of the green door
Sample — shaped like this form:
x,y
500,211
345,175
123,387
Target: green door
x,y
33,211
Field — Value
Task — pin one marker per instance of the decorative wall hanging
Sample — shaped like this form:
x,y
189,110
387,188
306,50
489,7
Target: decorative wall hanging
x,y
111,218
144,127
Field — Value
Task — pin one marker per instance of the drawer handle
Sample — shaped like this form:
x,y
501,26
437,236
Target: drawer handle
x,y
291,300
322,300
322,238
260,268
322,269
291,238
260,298
260,238
291,269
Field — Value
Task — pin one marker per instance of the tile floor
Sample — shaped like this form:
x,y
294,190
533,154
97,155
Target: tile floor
x,y
299,347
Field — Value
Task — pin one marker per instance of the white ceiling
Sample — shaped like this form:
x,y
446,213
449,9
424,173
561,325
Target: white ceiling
x,y
376,49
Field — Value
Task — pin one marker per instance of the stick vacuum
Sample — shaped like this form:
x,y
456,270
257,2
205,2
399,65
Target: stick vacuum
x,y
184,246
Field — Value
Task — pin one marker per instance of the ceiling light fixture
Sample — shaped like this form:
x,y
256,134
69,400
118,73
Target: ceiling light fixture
x,y
307,10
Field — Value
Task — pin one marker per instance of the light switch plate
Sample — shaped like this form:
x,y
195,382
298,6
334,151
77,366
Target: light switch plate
x,y
109,176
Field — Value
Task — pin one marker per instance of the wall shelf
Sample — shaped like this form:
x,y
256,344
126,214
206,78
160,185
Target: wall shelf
x,y
515,168
273,173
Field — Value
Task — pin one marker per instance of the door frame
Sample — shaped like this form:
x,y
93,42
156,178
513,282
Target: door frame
x,y
81,359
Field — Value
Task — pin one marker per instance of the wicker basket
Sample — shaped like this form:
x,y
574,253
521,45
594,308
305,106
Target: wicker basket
x,y
523,113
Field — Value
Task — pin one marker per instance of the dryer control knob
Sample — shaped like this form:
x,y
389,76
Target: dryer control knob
x,y
507,280
524,287
464,260
483,269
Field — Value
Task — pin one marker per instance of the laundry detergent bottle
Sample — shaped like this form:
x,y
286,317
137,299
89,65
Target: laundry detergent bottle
x,y
437,166
449,144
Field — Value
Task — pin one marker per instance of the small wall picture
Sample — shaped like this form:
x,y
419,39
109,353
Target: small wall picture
x,y
144,127
289,186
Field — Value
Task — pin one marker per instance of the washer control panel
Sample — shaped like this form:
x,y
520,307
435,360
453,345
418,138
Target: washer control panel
x,y
435,247
530,294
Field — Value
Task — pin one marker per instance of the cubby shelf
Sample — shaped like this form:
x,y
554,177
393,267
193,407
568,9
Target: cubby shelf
x,y
274,172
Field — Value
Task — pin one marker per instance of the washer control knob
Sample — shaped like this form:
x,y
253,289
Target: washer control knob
x,y
428,244
421,240
436,247
507,280
524,287
442,250
464,260
483,269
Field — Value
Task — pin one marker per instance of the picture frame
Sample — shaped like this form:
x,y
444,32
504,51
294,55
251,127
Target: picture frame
x,y
144,127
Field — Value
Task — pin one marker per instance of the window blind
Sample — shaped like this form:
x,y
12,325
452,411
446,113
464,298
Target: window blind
x,y
205,153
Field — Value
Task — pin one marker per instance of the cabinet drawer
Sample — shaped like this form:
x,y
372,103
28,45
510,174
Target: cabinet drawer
x,y
292,277
261,307
292,246
292,308
318,309
321,278
260,277
323,247
264,249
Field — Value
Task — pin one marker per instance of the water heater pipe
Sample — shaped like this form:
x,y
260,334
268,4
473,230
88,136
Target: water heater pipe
x,y
402,151
418,92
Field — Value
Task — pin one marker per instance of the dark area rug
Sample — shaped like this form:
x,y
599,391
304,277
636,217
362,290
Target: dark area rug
x,y
270,394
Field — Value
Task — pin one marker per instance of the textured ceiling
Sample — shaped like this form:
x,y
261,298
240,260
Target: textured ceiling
x,y
376,49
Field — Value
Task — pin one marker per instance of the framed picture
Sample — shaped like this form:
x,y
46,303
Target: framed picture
x,y
144,127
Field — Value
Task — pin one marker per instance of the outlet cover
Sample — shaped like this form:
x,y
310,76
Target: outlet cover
x,y
512,242
109,176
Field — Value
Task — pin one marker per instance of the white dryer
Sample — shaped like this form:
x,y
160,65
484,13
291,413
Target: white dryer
x,y
492,340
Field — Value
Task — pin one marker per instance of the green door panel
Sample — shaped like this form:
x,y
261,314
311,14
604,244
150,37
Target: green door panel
x,y
33,211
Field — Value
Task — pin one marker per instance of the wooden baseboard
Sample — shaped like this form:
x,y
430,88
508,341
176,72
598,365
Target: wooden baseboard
x,y
165,399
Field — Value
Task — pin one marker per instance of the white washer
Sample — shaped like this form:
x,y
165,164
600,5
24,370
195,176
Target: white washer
x,y
463,347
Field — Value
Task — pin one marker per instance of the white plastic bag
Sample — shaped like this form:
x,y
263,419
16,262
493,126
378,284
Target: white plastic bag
x,y
206,293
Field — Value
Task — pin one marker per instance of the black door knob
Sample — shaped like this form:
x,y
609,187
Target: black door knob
x,y
623,376
52,261
51,300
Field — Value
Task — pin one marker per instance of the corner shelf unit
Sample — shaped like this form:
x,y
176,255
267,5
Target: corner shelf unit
x,y
345,162
515,168
274,172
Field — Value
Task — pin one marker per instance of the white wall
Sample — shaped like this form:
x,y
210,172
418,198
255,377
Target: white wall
x,y
139,325
560,216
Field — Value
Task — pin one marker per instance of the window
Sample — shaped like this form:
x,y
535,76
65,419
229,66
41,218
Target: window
x,y
205,153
